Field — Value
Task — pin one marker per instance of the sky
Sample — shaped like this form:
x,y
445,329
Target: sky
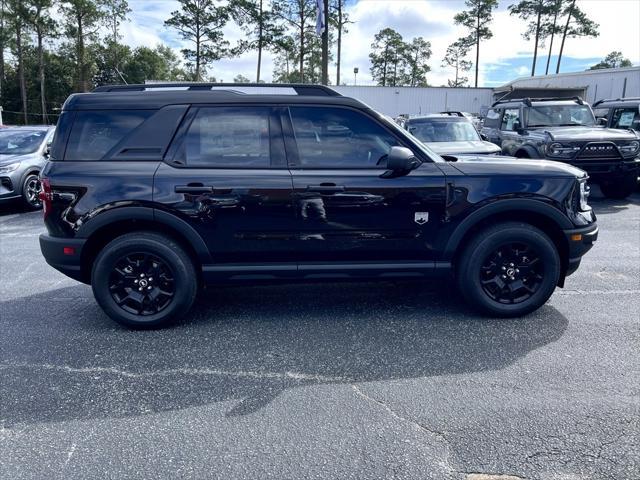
x,y
503,58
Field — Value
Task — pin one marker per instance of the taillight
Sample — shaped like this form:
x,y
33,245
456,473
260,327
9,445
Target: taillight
x,y
46,196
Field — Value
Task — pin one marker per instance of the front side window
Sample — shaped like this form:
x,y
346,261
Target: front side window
x,y
229,137
95,133
493,119
626,118
510,117
339,138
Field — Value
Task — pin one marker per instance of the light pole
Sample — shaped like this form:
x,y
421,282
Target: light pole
x,y
355,75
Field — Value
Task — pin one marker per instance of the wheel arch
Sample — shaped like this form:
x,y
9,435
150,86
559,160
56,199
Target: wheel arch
x,y
526,151
111,224
533,212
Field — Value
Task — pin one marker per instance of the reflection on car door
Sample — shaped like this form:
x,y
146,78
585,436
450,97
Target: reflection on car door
x,y
347,206
226,174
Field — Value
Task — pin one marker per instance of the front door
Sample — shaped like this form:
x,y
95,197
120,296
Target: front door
x,y
227,176
348,206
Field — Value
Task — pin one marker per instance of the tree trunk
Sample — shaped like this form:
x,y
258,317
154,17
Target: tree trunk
x,y
1,48
197,53
80,56
477,46
260,41
23,86
535,48
301,46
384,65
339,41
564,35
553,32
324,60
43,103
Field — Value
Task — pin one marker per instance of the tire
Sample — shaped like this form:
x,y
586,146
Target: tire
x,y
496,265
621,188
31,191
124,286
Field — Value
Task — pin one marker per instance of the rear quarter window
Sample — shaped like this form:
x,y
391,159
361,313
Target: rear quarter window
x,y
95,133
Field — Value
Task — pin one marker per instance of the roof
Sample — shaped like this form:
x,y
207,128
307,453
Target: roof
x,y
532,102
617,102
438,117
27,128
155,96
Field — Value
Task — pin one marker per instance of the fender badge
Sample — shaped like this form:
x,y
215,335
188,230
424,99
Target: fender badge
x,y
421,217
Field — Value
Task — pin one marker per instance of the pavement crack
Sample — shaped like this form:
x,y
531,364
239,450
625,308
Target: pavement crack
x,y
204,371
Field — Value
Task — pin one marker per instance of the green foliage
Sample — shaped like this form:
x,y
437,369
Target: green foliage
x,y
455,58
241,79
416,55
396,63
613,60
200,22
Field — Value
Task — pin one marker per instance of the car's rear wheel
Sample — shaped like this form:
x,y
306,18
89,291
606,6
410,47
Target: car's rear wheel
x,y
144,280
31,188
508,270
620,188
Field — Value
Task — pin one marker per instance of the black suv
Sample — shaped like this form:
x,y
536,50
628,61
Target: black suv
x,y
565,130
621,113
152,192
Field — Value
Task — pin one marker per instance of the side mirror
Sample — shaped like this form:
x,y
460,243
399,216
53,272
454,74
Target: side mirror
x,y
484,137
602,121
47,151
517,126
401,159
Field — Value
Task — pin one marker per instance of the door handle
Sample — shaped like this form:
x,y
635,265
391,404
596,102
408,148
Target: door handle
x,y
193,188
325,188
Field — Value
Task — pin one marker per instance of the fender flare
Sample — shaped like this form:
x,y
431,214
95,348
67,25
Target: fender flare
x,y
501,206
149,214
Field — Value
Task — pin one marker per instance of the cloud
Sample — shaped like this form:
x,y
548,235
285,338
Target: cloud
x,y
504,57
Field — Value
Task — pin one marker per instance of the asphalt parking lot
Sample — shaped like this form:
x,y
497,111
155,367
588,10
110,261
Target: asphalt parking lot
x,y
370,380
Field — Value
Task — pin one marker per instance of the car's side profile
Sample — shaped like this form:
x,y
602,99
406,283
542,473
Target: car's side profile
x,y
151,194
619,113
23,153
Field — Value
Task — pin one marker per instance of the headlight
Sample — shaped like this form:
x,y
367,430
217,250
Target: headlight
x,y
559,150
585,190
630,148
9,168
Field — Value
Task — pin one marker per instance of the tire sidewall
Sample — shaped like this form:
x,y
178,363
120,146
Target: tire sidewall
x,y
470,279
620,188
25,180
178,262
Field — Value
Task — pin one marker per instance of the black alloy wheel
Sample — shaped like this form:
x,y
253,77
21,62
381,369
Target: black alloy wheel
x,y
512,273
142,284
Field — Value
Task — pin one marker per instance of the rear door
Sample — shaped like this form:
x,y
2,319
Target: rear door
x,y
348,206
226,175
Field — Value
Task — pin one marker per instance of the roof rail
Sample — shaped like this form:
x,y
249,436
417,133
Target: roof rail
x,y
625,99
452,113
301,89
527,101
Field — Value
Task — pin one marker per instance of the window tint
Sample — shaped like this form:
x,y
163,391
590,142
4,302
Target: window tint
x,y
493,119
339,138
626,118
94,133
511,116
231,137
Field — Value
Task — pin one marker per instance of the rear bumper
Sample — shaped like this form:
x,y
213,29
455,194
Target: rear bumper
x,y
580,241
63,254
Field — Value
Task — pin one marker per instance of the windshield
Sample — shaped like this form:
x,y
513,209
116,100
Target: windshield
x,y
560,115
443,131
21,142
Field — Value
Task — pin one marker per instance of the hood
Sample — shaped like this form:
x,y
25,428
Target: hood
x,y
464,148
588,134
494,165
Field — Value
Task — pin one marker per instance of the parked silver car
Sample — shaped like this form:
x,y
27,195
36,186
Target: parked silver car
x,y
23,153
449,135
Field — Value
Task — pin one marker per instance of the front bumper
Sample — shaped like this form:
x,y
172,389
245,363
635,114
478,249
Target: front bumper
x,y
580,241
64,255
607,168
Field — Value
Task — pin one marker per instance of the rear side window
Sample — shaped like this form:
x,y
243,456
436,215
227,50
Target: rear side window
x,y
228,137
95,133
493,119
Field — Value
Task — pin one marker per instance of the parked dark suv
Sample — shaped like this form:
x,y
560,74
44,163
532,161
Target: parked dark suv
x,y
152,192
620,113
565,130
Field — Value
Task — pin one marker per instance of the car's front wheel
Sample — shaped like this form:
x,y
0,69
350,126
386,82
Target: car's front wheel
x,y
31,188
508,270
621,188
144,280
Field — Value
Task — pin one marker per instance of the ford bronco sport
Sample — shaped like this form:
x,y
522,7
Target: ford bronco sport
x,y
565,130
154,191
